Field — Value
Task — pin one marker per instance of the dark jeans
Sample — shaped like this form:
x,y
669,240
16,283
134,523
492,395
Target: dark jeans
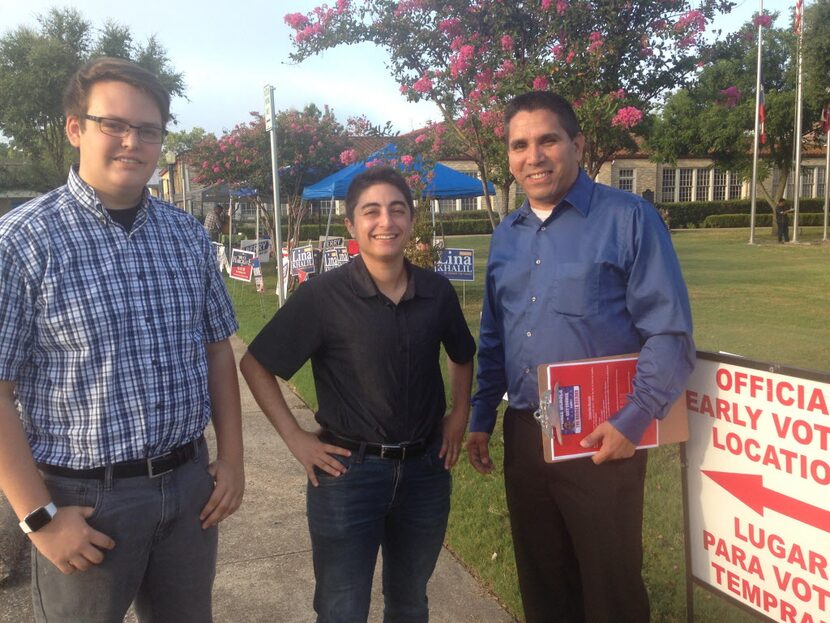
x,y
398,506
783,231
577,531
162,558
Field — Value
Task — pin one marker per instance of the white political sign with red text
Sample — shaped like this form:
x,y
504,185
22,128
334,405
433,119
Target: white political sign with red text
x,y
758,486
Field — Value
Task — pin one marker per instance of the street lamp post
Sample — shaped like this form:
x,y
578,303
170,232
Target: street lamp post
x,y
170,157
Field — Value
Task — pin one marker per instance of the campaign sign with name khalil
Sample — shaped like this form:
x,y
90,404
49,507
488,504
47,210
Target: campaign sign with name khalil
x,y
337,256
241,264
758,486
302,259
457,264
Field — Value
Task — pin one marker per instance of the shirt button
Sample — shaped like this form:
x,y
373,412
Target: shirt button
x,y
529,333
538,262
527,370
544,228
532,299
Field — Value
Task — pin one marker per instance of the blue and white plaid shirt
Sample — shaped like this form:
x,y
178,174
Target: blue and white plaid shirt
x,y
103,331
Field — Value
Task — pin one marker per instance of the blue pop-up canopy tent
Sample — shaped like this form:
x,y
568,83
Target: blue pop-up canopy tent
x,y
446,183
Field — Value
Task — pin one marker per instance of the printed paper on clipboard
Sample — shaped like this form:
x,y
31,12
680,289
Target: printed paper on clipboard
x,y
580,395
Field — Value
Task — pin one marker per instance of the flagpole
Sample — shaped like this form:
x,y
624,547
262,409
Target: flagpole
x,y
826,172
799,21
753,193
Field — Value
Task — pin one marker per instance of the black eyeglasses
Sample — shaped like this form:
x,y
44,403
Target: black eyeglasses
x,y
120,129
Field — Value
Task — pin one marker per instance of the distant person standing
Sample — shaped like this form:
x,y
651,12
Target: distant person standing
x,y
213,222
782,220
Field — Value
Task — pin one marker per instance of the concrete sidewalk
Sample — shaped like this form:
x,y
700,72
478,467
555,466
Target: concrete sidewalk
x,y
264,572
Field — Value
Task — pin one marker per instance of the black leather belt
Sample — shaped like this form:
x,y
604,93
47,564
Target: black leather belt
x,y
151,467
395,451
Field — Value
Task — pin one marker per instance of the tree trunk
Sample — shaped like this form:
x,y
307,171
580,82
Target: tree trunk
x,y
503,198
488,205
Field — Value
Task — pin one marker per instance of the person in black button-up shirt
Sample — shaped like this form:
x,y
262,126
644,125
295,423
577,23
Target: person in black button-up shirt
x,y
373,331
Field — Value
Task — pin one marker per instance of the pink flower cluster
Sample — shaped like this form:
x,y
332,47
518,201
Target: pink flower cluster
x,y
460,62
348,157
627,118
558,51
505,69
297,21
408,6
763,20
732,96
618,94
595,42
506,43
692,20
407,160
540,83
423,84
561,6
450,26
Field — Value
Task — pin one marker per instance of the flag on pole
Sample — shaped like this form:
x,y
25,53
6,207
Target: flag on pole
x,y
825,119
762,116
799,14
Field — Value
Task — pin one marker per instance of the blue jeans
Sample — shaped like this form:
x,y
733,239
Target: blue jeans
x,y
399,506
162,559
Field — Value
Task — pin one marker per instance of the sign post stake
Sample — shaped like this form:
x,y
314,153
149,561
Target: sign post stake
x,y
271,126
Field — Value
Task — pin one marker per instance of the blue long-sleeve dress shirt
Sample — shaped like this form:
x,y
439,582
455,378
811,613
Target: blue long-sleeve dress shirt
x,y
599,277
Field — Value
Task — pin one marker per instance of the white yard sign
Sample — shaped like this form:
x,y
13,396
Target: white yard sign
x,y
758,497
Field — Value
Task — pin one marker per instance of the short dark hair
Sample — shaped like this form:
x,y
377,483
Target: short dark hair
x,y
372,177
105,68
543,100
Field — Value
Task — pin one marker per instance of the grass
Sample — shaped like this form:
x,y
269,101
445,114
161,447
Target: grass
x,y
765,301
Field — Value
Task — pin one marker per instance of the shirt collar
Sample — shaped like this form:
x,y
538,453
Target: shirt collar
x,y
364,286
578,196
86,197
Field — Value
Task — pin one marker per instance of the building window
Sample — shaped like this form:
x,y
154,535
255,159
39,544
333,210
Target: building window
x,y
735,186
719,186
625,181
446,205
820,180
667,190
469,203
702,185
807,177
322,207
685,185
246,212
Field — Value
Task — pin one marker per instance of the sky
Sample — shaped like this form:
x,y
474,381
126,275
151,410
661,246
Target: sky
x,y
228,52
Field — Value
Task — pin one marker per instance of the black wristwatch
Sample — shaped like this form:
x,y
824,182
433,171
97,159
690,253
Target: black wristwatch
x,y
38,518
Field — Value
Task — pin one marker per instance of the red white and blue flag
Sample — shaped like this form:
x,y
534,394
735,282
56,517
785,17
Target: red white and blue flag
x,y
799,16
825,119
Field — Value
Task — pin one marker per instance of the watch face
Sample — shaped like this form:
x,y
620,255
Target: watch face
x,y
39,518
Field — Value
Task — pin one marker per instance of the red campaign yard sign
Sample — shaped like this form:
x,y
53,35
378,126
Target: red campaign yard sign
x,y
758,486
241,264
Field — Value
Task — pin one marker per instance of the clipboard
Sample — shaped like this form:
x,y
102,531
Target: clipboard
x,y
577,396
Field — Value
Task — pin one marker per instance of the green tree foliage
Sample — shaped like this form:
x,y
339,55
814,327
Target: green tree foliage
x,y
714,118
36,64
610,58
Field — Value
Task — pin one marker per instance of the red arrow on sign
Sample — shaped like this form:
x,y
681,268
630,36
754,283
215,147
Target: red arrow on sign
x,y
750,489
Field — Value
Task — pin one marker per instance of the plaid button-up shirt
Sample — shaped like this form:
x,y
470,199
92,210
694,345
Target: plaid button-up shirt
x,y
104,331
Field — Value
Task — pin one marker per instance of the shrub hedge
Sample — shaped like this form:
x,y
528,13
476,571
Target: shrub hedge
x,y
761,220
694,213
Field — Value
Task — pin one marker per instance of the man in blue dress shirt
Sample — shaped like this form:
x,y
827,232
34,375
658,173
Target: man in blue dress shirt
x,y
580,270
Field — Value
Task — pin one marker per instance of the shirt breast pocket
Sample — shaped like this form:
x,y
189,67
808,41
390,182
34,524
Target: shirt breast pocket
x,y
575,289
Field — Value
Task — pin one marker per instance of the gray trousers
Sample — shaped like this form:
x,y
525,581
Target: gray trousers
x,y
162,560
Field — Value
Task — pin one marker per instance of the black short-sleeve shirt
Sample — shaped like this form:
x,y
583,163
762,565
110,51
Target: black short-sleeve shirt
x,y
376,364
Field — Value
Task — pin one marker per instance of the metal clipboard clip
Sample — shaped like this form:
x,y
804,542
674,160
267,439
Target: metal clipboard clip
x,y
548,413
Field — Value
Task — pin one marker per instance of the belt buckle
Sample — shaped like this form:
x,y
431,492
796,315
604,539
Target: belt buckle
x,y
151,473
384,448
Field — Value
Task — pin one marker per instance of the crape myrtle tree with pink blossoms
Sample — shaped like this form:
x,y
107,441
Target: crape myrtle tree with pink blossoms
x,y
310,142
611,58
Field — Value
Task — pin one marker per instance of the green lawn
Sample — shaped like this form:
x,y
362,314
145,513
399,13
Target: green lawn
x,y
766,301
